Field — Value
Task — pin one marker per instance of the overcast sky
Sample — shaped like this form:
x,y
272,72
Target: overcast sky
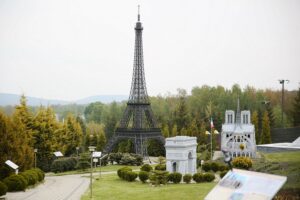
x,y
72,49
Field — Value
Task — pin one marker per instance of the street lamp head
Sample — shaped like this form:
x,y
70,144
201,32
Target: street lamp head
x,y
92,148
35,150
77,148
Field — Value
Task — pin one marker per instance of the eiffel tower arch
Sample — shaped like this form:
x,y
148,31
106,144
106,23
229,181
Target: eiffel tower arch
x,y
138,122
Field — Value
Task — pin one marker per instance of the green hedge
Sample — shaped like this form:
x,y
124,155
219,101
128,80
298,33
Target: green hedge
x,y
3,189
187,178
130,176
175,177
206,166
143,176
198,178
146,168
15,183
30,176
63,164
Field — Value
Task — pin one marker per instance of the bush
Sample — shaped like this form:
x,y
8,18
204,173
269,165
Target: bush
x,y
214,166
84,161
115,157
121,172
198,177
131,159
130,175
30,176
40,173
208,177
223,173
15,183
161,167
222,167
146,168
242,163
175,177
5,171
187,178
3,189
143,176
159,177
206,166
63,164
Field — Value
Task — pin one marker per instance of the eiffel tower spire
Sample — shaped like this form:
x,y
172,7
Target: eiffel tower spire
x,y
138,92
138,122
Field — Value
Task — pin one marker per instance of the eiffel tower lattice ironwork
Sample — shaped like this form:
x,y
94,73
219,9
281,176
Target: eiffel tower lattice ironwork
x,y
138,122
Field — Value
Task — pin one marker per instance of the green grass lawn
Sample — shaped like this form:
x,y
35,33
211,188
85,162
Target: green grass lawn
x,y
283,163
113,188
107,168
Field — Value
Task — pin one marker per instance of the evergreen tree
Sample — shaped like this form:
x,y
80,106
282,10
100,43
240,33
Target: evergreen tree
x,y
181,112
296,110
101,142
174,131
254,121
266,131
22,124
202,137
165,131
183,132
193,129
270,115
73,135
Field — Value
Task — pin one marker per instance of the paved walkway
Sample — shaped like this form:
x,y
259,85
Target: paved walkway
x,y
68,187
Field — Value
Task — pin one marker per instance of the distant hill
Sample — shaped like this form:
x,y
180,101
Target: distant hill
x,y
13,99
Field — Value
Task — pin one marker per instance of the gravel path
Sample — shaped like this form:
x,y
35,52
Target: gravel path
x,y
68,187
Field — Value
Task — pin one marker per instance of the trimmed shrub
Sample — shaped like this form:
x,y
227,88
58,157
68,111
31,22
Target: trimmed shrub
x,y
187,178
146,168
198,178
161,167
143,176
30,176
214,166
40,173
131,159
121,172
206,166
138,159
223,173
115,157
5,171
3,189
242,163
15,183
84,161
159,177
222,167
208,177
175,177
63,164
130,175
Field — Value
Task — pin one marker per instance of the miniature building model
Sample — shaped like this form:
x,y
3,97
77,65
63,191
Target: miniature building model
x,y
238,134
181,154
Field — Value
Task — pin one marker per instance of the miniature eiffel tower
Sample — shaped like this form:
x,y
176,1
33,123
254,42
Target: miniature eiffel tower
x,y
138,122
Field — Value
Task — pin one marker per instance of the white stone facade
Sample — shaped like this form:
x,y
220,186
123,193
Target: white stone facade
x,y
181,154
238,131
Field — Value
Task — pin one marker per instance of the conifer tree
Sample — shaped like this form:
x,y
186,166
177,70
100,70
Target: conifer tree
x,y
296,110
165,131
183,132
73,135
266,131
254,121
174,130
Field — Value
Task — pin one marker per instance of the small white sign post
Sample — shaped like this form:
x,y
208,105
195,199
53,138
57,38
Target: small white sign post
x,y
58,154
245,185
13,166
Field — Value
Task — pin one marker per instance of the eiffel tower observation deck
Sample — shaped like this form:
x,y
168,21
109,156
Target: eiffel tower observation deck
x,y
138,122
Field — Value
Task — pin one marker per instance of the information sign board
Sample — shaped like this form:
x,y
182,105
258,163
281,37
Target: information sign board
x,y
245,185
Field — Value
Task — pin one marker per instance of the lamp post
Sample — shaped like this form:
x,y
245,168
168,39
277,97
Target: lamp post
x,y
35,152
77,150
91,149
282,81
210,133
